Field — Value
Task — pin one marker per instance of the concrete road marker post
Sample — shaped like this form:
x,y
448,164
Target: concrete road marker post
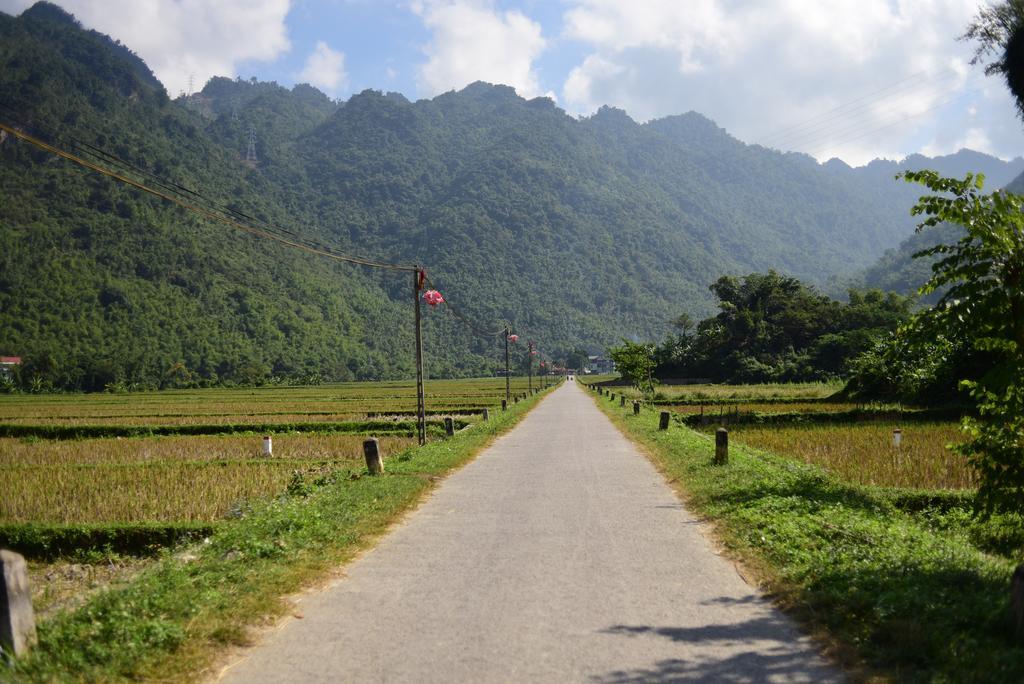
x,y
371,451
721,446
17,622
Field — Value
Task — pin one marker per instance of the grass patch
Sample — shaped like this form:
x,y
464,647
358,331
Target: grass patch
x,y
910,585
172,620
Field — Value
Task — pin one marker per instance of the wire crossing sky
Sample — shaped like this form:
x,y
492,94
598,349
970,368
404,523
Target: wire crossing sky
x,y
854,79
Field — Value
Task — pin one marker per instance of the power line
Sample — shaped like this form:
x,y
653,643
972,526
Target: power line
x,y
464,319
176,193
837,111
862,132
857,117
169,185
201,210
817,127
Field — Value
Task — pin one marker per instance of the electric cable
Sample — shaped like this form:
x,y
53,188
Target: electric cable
x,y
794,134
463,318
206,212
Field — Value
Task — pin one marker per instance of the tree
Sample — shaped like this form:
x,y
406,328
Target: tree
x,y
999,30
635,362
984,304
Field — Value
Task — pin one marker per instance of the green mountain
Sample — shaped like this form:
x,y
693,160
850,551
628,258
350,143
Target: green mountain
x,y
580,231
897,270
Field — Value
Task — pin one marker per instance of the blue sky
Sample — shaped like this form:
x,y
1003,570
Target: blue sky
x,y
855,79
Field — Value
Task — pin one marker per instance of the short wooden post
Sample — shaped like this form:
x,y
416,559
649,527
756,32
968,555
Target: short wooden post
x,y
611,396
517,399
721,446
636,407
371,451
504,404
663,421
486,415
1017,601
449,427
17,622
622,400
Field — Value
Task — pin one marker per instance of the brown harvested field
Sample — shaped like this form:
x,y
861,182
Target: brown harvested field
x,y
348,398
143,450
865,453
116,493
162,478
764,407
196,478
716,393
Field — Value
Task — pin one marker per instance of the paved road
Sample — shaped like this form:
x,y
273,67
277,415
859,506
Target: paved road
x,y
559,555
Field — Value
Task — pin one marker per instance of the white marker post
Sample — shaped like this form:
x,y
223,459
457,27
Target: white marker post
x,y
897,437
268,446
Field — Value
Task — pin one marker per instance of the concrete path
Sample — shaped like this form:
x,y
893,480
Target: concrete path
x,y
559,555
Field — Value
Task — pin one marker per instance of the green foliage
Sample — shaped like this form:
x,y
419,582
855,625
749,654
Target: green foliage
x,y
635,362
982,276
773,328
999,32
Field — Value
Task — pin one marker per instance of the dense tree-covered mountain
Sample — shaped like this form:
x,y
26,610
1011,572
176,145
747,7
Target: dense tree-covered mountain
x,y
897,270
581,231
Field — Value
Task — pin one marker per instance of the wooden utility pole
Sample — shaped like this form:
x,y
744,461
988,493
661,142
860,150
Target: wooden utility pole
x,y
529,365
421,408
508,394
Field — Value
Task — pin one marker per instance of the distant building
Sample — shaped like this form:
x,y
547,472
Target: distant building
x,y
8,364
599,365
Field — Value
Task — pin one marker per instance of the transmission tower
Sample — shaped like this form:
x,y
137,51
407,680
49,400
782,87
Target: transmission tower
x,y
190,83
250,154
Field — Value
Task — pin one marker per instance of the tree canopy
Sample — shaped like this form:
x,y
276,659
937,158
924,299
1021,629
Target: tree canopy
x,y
774,328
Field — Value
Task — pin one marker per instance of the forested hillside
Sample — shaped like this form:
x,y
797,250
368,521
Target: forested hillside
x,y
581,231
897,270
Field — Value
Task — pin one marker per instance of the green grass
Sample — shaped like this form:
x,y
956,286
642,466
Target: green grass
x,y
172,620
910,594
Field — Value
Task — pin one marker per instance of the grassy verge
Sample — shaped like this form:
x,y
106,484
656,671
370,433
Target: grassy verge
x,y
172,620
906,595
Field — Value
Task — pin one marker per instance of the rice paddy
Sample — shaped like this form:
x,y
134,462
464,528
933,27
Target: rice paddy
x,y
712,393
859,449
866,453
202,477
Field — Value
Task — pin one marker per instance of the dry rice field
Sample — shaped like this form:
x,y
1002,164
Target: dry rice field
x,y
202,477
865,453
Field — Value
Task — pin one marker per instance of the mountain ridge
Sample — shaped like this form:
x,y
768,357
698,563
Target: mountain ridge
x,y
581,231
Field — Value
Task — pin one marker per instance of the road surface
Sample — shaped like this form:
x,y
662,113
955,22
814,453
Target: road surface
x,y
558,555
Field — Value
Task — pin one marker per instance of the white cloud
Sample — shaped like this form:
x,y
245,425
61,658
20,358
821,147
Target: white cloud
x,y
850,78
325,69
183,38
473,41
